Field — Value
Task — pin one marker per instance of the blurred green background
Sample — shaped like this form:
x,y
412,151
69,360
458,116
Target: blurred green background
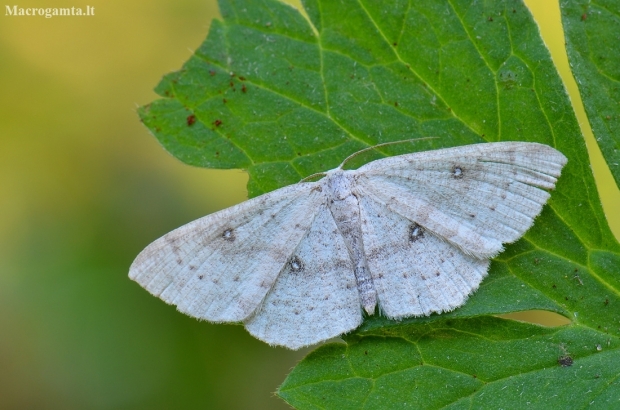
x,y
84,187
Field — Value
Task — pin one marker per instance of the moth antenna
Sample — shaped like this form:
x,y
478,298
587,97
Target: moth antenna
x,y
377,146
318,174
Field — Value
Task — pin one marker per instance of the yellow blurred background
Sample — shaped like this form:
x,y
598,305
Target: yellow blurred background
x,y
84,187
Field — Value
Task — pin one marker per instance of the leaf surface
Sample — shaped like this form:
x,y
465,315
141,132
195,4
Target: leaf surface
x,y
285,97
592,32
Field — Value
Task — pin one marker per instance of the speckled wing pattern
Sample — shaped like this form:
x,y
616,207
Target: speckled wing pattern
x,y
431,220
315,297
220,267
291,266
415,272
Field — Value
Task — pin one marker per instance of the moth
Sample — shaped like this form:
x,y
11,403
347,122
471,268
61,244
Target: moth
x,y
411,234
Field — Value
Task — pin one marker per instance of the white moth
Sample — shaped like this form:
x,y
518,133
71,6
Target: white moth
x,y
412,234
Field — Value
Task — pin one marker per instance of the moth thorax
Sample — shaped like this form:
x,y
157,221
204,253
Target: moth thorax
x,y
339,184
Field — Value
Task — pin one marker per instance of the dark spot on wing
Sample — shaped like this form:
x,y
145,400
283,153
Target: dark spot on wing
x,y
179,261
229,235
172,241
295,264
192,267
416,232
457,172
201,276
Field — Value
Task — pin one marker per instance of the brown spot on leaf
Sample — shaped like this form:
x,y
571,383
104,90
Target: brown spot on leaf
x,y
565,361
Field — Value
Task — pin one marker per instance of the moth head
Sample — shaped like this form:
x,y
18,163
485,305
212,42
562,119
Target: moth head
x,y
339,183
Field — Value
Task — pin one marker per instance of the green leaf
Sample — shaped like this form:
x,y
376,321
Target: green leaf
x,y
285,97
592,31
472,363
